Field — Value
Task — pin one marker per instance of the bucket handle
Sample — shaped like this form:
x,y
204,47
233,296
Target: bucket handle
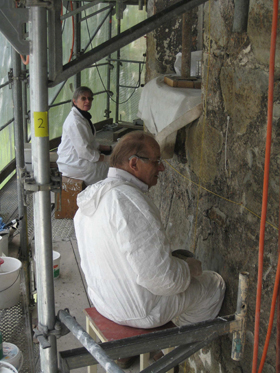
x,y
12,283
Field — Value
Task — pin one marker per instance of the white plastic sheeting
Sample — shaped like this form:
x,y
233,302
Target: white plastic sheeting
x,y
166,109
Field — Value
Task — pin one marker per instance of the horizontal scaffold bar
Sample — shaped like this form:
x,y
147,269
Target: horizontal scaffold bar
x,y
124,38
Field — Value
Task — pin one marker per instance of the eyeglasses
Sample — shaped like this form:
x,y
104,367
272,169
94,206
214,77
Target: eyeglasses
x,y
158,161
83,98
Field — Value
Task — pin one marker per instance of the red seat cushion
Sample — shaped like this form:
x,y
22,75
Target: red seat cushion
x,y
112,331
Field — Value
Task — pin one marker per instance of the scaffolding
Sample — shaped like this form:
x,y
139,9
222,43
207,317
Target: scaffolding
x,y
42,22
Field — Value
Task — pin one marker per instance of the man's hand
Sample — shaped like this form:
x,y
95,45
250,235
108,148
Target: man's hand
x,y
195,266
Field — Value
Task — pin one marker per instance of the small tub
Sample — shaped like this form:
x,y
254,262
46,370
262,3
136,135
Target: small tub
x,y
12,355
9,282
7,368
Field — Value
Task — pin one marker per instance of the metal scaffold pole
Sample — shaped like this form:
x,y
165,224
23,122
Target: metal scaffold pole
x,y
42,203
77,42
19,147
107,111
118,78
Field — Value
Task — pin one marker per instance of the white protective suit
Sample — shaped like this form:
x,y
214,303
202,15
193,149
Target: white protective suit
x,y
131,275
78,152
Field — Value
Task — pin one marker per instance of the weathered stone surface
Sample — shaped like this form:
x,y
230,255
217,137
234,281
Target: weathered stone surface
x,y
164,43
203,164
259,30
237,85
221,20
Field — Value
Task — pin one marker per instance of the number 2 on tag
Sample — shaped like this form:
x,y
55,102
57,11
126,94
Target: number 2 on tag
x,y
41,124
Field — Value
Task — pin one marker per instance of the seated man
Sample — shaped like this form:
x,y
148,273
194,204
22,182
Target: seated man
x,y
132,277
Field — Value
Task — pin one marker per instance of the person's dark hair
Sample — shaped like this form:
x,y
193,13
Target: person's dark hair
x,y
79,91
134,142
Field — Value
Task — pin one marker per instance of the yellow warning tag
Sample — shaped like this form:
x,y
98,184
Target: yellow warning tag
x,y
41,124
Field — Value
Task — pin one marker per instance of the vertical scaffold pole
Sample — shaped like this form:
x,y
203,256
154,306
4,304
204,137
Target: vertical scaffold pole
x,y
77,42
107,111
238,338
118,76
19,147
41,169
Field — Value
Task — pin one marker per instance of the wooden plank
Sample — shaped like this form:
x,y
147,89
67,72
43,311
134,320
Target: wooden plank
x,y
121,132
111,331
179,82
130,125
66,201
99,125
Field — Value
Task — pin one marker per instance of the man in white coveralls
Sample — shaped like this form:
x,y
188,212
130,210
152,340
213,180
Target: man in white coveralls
x,y
132,277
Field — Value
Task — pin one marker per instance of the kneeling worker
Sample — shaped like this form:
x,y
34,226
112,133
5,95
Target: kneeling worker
x,y
131,275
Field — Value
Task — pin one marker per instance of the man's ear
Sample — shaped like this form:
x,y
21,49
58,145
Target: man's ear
x,y
132,164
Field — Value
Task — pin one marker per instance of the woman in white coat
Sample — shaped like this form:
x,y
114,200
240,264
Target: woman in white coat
x,y
80,156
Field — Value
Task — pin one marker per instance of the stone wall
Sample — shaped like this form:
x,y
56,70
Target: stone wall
x,y
224,151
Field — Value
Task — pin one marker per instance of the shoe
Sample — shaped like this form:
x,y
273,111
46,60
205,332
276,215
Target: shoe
x,y
126,362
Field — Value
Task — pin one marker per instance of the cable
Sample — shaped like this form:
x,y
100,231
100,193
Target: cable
x,y
265,193
25,61
219,196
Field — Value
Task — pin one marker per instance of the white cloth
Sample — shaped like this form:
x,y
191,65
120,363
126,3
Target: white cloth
x,y
131,275
78,152
160,105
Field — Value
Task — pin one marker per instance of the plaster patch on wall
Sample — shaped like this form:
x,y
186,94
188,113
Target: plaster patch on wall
x,y
212,145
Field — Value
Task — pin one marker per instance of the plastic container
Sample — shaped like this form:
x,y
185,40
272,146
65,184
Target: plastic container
x,y
7,368
56,264
12,355
4,241
9,282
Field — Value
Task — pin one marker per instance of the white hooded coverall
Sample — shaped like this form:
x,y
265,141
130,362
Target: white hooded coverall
x,y
131,275
78,152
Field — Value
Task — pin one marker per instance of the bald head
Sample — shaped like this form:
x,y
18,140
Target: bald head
x,y
135,142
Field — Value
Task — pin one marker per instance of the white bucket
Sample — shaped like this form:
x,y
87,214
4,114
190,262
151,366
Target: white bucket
x,y
4,240
9,282
7,368
12,355
56,264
